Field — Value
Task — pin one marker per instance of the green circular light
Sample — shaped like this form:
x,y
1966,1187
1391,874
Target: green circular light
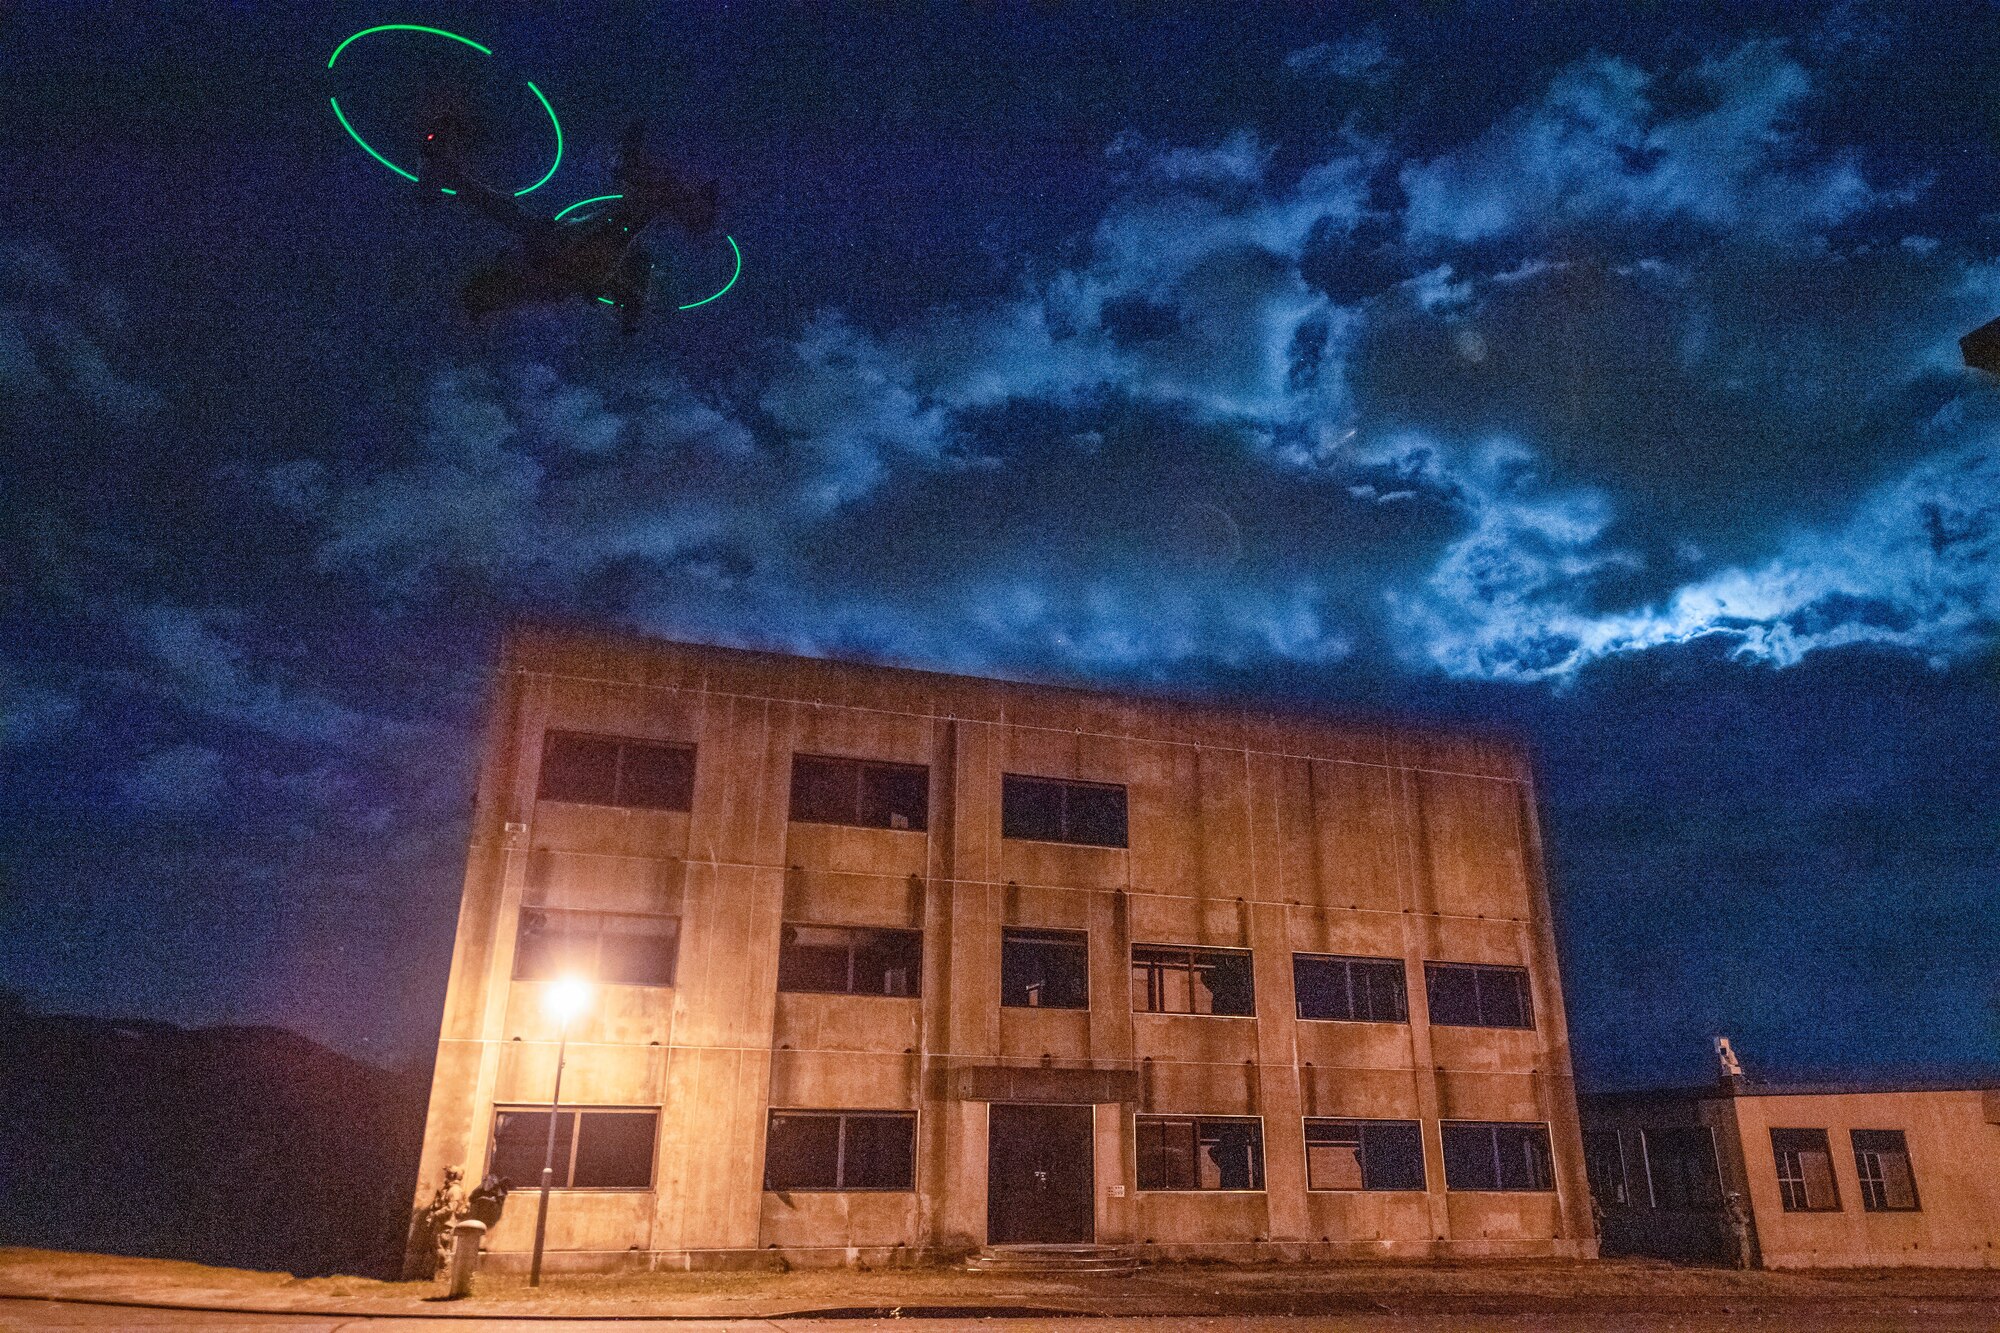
x,y
732,277
581,203
369,148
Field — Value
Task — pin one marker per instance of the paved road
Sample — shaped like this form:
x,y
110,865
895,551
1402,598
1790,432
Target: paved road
x,y
19,1314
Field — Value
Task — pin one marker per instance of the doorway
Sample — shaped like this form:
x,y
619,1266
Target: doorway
x,y
1039,1178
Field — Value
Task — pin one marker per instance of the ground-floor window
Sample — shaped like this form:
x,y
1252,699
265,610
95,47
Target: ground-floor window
x,y
596,1148
1882,1161
1681,1167
841,1150
1805,1171
1489,1155
1364,1155
1200,1152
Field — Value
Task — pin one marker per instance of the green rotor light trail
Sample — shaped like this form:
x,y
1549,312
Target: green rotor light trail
x,y
732,277
369,148
584,203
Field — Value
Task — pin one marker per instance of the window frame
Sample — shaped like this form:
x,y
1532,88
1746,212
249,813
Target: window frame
x,y
1492,1127
853,933
1347,962
842,1115
1872,1185
1521,976
1066,785
1361,1128
1789,1184
1192,950
1078,939
1261,1175
623,743
861,767
1654,1151
568,1155
596,974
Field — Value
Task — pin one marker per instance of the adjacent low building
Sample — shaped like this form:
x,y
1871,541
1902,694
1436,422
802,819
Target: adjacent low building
x,y
1801,1176
894,965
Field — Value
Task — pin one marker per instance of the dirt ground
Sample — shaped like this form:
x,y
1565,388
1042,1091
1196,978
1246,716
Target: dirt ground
x,y
1504,1290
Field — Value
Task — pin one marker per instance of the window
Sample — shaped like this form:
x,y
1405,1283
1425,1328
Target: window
x,y
1189,1153
1357,990
1464,995
1604,1158
603,770
1882,1160
595,1149
1805,1171
615,948
1167,980
1364,1155
1680,1161
1048,810
840,1150
1488,1156
1044,969
860,792
850,960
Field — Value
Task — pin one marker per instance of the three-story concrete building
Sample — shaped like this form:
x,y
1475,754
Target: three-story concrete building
x,y
893,965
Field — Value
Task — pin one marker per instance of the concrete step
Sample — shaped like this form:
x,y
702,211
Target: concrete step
x,y
1053,1259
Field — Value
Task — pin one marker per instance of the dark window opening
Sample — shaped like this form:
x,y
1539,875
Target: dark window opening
x,y
1805,1171
1364,1155
594,1149
860,792
1604,1159
605,770
1167,980
1199,1153
1050,810
850,960
1044,969
1356,990
1882,1161
615,948
840,1150
1490,1156
1681,1166
1472,996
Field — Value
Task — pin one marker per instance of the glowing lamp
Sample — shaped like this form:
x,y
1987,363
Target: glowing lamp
x,y
567,998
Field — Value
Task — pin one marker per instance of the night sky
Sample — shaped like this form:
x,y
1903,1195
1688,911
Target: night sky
x,y
1587,372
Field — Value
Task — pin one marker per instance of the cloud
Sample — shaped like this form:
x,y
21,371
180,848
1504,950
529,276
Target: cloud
x,y
54,338
1600,147
1364,58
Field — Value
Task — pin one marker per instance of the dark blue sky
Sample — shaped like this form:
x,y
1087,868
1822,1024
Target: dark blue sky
x,y
1588,372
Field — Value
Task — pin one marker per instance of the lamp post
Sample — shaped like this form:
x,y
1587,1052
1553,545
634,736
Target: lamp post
x,y
566,998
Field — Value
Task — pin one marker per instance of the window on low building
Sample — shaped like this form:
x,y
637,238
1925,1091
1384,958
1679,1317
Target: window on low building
x,y
1044,969
615,948
1355,990
1490,1155
850,960
840,1150
1364,1155
1052,810
1805,1171
1478,996
1170,980
862,792
1200,1152
1882,1161
607,1148
1680,1161
1604,1158
611,770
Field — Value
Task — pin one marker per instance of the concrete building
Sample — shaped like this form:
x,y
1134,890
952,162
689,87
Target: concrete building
x,y
1824,1175
894,965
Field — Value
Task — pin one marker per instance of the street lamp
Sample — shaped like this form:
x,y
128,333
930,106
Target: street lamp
x,y
566,998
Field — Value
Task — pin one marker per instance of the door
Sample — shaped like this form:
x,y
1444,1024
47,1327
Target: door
x,y
1039,1182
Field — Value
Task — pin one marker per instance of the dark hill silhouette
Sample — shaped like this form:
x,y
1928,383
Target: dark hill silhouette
x,y
246,1146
